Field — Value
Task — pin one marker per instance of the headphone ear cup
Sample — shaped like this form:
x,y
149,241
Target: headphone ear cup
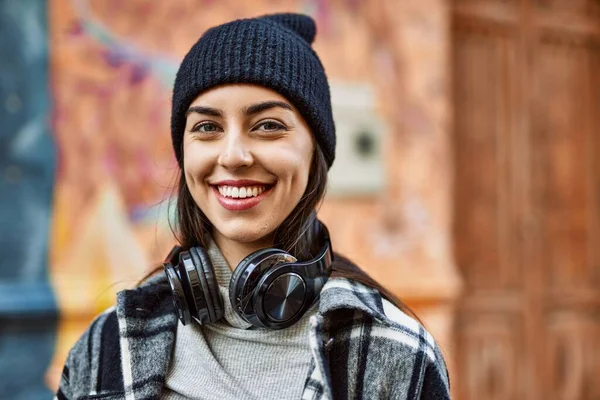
x,y
245,277
241,268
180,301
208,281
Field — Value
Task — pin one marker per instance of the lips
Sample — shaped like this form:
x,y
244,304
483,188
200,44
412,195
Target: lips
x,y
241,195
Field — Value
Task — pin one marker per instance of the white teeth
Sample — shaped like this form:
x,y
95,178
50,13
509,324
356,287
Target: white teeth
x,y
240,192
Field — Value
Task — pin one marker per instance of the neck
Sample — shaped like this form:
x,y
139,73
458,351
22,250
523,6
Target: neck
x,y
234,251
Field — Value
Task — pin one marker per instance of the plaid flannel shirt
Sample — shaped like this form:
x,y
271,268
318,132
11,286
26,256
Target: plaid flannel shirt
x,y
362,347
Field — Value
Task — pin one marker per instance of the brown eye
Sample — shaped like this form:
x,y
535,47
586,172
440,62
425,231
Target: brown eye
x,y
205,127
270,126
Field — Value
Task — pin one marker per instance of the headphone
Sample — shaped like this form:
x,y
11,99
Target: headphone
x,y
269,288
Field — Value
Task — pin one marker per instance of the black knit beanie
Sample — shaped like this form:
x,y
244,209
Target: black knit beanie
x,y
272,51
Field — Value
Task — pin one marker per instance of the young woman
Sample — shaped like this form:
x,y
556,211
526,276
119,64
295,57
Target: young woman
x,y
254,304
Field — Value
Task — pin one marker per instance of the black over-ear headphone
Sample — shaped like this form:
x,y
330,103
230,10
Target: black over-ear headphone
x,y
269,288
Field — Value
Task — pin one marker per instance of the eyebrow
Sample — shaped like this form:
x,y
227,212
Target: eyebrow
x,y
250,110
265,105
213,112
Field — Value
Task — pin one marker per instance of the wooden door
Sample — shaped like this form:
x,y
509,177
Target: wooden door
x,y
526,77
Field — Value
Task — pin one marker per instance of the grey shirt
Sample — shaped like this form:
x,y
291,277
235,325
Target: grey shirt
x,y
231,359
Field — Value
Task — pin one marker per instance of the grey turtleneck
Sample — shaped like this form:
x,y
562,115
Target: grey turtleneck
x,y
233,360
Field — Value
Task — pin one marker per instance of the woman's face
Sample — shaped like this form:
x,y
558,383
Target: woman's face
x,y
247,153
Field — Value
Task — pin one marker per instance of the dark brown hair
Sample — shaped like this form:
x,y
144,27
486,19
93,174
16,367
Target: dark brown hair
x,y
294,235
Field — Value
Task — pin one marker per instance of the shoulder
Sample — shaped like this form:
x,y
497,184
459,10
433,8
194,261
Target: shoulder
x,y
364,304
422,363
83,361
402,328
87,344
418,343
386,342
119,334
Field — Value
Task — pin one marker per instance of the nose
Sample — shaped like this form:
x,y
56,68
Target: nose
x,y
235,153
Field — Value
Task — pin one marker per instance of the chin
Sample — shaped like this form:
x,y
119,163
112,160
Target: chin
x,y
243,231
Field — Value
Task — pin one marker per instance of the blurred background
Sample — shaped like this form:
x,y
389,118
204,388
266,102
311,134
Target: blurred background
x,y
466,181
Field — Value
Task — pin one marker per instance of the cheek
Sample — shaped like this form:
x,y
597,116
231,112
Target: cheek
x,y
291,166
196,164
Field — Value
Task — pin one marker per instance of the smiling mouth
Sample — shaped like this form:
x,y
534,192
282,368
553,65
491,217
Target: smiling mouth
x,y
241,198
244,192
